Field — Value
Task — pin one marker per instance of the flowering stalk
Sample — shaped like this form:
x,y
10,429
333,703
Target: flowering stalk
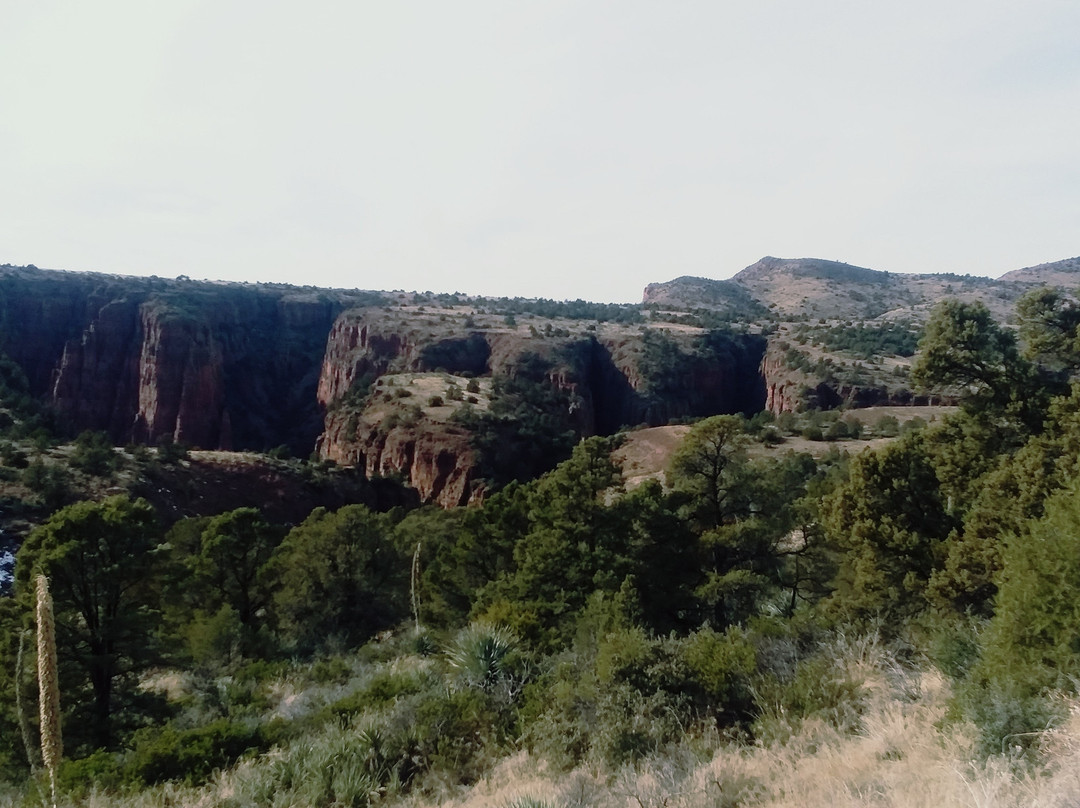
x,y
52,747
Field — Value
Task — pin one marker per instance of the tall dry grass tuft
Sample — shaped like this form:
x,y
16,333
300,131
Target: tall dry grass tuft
x,y
52,747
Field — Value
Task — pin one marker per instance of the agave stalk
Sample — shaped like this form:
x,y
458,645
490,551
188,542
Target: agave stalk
x,y
52,746
414,586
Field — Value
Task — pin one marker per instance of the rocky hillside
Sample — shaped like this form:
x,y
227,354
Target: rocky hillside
x,y
813,288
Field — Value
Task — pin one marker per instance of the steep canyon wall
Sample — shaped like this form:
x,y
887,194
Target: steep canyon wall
x,y
237,366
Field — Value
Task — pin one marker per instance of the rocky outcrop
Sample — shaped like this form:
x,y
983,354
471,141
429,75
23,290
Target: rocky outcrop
x,y
433,458
367,343
609,379
144,359
239,366
783,386
788,389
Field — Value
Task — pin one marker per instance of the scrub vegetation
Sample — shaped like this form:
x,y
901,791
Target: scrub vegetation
x,y
893,627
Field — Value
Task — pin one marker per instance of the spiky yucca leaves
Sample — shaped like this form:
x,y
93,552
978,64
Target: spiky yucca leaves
x,y
52,747
529,802
481,654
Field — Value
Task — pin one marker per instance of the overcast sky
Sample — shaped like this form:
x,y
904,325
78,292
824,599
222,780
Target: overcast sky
x,y
556,149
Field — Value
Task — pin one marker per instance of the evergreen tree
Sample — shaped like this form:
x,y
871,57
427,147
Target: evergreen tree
x,y
103,559
887,521
340,578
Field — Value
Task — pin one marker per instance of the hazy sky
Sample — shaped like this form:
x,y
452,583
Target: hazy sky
x,y
557,149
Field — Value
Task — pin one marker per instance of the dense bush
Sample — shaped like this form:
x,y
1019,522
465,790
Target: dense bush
x,y
191,755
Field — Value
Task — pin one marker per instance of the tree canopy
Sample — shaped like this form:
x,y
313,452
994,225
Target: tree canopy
x,y
103,562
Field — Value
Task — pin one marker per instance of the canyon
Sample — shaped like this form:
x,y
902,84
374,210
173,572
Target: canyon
x,y
257,366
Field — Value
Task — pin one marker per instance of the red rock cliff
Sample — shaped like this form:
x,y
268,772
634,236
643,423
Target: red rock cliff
x,y
211,365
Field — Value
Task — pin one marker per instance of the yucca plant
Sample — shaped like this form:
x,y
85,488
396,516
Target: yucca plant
x,y
480,654
529,802
52,747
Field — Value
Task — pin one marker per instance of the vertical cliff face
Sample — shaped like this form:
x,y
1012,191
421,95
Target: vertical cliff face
x,y
180,384
783,385
42,312
435,459
93,382
252,367
209,365
369,343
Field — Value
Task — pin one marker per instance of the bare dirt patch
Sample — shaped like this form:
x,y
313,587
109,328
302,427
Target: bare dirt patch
x,y
645,453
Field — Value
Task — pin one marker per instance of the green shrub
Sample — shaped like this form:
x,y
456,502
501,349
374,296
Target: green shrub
x,y
382,690
100,771
329,670
1032,644
620,698
1010,716
169,452
214,640
887,426
342,766
818,687
93,453
12,456
190,755
460,733
721,666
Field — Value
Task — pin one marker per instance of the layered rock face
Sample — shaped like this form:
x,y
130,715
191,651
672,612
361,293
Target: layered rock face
x,y
210,365
236,366
435,459
603,375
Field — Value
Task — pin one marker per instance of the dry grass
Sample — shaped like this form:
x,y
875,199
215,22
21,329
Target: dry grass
x,y
903,754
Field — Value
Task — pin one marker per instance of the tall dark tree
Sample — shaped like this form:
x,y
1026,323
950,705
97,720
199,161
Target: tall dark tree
x,y
229,567
103,560
710,468
576,543
743,513
888,522
1050,330
340,578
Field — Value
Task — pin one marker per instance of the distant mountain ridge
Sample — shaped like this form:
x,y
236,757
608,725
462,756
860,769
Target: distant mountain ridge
x,y
819,288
